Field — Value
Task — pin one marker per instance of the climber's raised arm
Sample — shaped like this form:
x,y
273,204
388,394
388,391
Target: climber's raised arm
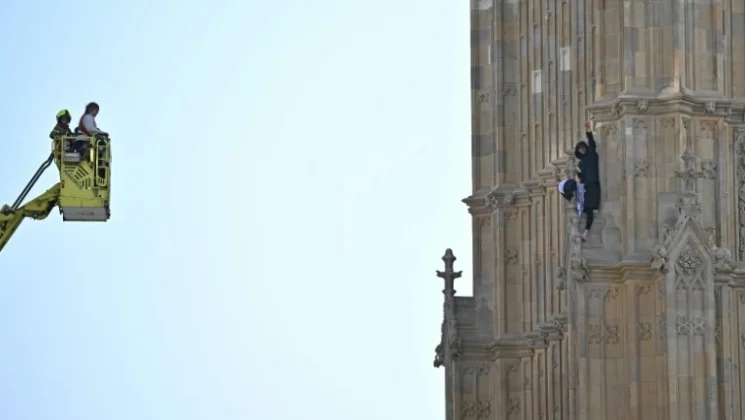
x,y
590,138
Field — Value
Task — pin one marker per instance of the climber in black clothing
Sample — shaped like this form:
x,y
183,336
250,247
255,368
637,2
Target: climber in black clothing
x,y
589,175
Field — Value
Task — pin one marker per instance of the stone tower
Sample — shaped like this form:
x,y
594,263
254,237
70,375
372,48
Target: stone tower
x,y
645,320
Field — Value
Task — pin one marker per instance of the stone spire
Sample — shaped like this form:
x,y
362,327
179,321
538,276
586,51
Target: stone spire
x,y
450,343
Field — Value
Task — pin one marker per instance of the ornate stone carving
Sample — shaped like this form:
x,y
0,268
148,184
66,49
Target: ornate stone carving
x,y
450,346
689,260
509,199
689,174
690,325
709,168
608,334
662,328
661,287
555,175
605,294
688,207
710,107
722,259
476,370
476,409
560,277
579,269
644,289
642,105
510,215
511,257
513,406
483,98
509,90
571,169
710,232
668,122
658,258
667,234
740,171
492,201
499,198
544,332
688,266
641,168
608,129
708,129
644,331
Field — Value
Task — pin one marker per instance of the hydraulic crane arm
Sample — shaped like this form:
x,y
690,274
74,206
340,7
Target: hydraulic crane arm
x,y
32,182
38,209
83,191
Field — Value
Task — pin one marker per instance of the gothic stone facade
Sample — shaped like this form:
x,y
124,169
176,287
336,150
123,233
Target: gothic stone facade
x,y
646,320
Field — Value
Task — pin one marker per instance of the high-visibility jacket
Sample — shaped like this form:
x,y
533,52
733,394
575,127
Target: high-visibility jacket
x,y
60,130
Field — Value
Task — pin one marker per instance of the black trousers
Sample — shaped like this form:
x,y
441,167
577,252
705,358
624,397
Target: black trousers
x,y
591,202
590,214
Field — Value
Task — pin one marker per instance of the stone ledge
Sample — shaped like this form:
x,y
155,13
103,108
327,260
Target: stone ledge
x,y
518,345
485,202
610,110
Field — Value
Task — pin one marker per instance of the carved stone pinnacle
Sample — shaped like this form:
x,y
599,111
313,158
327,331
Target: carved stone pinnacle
x,y
449,275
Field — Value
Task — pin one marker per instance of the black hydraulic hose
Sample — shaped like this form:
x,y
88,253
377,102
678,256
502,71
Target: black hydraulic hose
x,y
32,182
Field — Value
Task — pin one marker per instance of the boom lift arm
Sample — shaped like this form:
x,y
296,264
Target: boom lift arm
x,y
81,195
37,209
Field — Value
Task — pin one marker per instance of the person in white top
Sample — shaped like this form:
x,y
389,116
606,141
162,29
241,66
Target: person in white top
x,y
87,124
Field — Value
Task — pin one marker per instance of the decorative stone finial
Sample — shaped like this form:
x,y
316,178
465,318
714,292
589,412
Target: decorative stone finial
x,y
449,275
689,174
450,343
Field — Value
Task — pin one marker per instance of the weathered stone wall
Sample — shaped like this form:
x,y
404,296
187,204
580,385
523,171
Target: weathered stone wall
x,y
646,320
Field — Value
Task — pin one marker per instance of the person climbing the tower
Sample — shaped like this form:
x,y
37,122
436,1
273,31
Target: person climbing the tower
x,y
567,189
589,175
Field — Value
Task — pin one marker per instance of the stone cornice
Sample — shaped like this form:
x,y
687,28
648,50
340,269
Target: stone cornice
x,y
477,203
503,197
476,350
523,345
485,202
511,346
547,177
482,203
737,275
550,174
685,103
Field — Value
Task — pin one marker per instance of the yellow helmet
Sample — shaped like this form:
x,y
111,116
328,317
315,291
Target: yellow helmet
x,y
63,113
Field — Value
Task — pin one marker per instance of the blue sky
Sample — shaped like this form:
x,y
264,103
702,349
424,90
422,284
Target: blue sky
x,y
286,176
